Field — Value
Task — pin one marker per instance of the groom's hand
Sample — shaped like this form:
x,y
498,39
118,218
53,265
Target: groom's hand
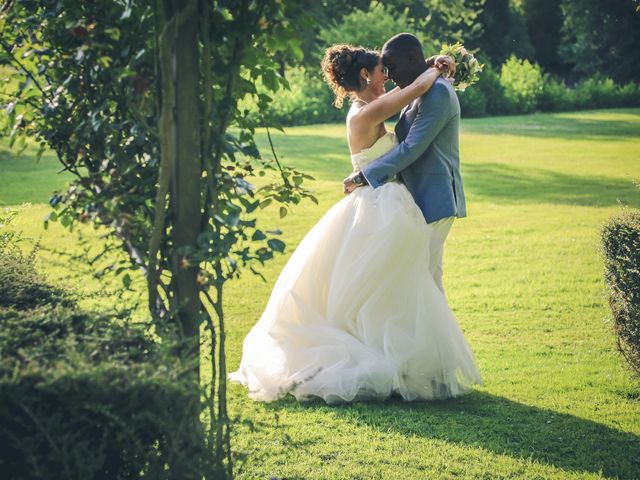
x,y
352,182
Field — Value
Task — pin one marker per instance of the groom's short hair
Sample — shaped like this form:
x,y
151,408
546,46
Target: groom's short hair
x,y
404,43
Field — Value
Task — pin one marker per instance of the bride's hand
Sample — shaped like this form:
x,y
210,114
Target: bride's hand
x,y
446,64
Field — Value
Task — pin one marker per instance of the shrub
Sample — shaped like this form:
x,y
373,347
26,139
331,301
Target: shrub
x,y
20,285
621,247
84,397
473,103
596,92
492,89
630,94
309,100
555,96
522,83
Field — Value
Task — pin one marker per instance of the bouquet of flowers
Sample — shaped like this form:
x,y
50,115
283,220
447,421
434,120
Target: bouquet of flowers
x,y
467,66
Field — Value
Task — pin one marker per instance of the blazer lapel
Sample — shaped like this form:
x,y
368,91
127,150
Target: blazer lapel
x,y
402,127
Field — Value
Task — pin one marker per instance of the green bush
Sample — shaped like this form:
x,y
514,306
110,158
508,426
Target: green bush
x,y
591,93
555,96
20,285
519,88
308,100
86,395
83,396
621,246
596,92
489,84
522,82
629,94
473,103
486,97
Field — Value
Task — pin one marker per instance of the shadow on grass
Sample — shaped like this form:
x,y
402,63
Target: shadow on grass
x,y
508,184
564,126
500,425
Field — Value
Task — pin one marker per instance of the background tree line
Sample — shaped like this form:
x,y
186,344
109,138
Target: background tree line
x,y
539,54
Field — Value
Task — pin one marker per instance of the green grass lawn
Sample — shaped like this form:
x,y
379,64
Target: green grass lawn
x,y
523,274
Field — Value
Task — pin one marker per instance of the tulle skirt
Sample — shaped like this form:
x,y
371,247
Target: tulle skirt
x,y
356,314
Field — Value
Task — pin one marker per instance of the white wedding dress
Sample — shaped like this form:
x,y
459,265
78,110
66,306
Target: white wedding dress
x,y
355,313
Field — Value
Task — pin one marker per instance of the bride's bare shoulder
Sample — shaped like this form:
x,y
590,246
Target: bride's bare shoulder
x,y
355,119
353,112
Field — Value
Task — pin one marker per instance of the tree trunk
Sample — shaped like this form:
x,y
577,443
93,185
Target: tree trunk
x,y
185,184
182,123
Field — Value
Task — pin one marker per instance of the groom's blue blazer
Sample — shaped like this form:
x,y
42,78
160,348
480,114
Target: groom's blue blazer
x,y
427,157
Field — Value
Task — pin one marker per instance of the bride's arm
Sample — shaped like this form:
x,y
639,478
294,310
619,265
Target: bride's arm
x,y
439,61
387,105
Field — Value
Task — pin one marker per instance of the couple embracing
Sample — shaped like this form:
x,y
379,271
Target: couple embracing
x,y
359,311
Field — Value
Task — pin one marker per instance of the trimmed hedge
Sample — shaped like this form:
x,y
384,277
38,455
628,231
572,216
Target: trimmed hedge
x,y
84,398
621,247
86,395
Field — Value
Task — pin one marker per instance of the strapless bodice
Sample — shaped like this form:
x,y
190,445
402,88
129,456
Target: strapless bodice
x,y
368,155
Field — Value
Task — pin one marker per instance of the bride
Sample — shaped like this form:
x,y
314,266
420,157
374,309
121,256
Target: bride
x,y
355,313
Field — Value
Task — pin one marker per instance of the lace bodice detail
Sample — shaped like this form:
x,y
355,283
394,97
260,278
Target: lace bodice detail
x,y
368,155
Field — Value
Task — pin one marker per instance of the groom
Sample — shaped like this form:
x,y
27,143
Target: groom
x,y
427,156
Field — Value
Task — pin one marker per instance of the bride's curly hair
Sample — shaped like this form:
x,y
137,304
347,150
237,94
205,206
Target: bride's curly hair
x,y
341,66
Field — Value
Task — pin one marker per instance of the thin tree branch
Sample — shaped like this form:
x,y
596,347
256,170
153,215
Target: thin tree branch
x,y
273,150
7,49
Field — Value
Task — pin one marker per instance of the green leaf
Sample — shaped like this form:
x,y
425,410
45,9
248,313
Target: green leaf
x,y
258,235
105,61
113,32
283,212
276,245
270,80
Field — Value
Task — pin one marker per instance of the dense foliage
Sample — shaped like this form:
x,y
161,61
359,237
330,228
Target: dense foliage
x,y
602,37
21,286
139,101
548,56
84,395
621,246
522,83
